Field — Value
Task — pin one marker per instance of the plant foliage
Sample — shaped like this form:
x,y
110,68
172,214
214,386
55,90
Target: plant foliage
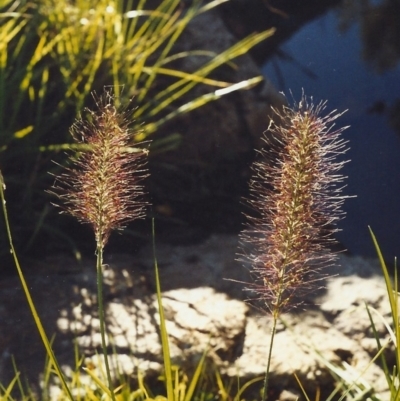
x,y
53,54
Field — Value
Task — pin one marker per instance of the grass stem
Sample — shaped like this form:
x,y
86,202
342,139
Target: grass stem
x,y
100,301
271,345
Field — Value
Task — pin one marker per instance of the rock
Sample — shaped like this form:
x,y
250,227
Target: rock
x,y
211,263
201,180
289,396
332,334
233,124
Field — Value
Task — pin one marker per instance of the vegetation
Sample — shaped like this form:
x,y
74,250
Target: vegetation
x,y
93,190
53,54
297,197
56,54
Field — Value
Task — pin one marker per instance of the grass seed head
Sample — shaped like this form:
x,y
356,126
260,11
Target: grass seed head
x,y
102,186
296,192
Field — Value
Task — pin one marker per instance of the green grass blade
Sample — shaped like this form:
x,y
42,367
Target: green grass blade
x,y
19,383
163,328
212,4
98,382
178,89
195,378
196,103
181,74
302,388
7,393
41,96
392,295
31,304
393,301
245,386
388,282
176,32
380,349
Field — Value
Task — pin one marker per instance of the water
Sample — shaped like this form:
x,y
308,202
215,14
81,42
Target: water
x,y
347,82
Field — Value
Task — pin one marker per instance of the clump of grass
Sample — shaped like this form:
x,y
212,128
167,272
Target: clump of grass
x,y
53,54
297,195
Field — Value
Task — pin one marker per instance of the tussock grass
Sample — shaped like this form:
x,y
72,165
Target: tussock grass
x,y
54,53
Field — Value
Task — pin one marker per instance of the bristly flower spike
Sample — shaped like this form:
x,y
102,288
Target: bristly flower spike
x,y
297,196
103,185
296,191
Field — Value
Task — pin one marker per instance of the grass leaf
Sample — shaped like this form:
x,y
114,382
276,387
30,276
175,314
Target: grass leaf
x,y
163,328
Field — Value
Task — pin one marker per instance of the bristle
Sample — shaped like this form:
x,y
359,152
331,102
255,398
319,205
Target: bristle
x,y
298,199
103,185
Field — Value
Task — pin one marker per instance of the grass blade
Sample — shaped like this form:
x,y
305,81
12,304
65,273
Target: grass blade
x,y
393,301
31,304
163,328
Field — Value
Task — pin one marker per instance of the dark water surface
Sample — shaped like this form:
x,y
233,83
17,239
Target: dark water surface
x,y
328,63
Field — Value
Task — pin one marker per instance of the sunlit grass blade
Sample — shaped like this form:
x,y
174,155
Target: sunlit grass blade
x,y
384,321
7,393
392,378
142,390
19,382
129,22
178,89
181,74
99,382
302,388
196,103
41,96
380,348
7,32
211,5
195,379
392,294
177,31
82,40
388,282
238,396
76,381
163,328
10,29
192,53
349,380
31,304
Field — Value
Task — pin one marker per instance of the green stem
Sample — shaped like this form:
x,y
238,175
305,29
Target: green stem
x,y
266,379
99,269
